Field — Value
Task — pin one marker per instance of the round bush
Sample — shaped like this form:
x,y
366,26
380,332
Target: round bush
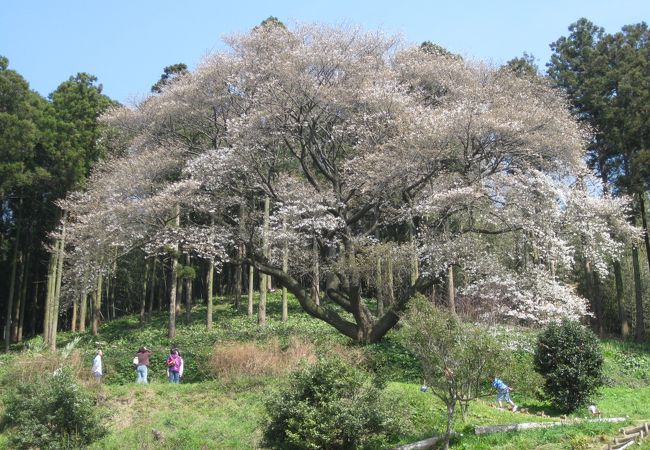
x,y
569,357
52,413
329,405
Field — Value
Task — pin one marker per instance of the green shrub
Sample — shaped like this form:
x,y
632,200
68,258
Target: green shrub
x,y
52,413
330,405
519,370
569,358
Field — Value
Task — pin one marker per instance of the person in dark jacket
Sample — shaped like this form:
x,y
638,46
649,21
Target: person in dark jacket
x,y
142,366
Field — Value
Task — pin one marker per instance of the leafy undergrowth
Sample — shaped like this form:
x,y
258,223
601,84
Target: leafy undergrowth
x,y
213,412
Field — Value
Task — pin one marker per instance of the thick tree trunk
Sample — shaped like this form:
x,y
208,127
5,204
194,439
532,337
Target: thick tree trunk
x,y
209,283
261,307
639,334
451,290
356,331
251,284
622,316
97,304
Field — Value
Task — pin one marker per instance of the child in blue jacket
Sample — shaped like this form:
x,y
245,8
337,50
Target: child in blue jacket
x,y
503,392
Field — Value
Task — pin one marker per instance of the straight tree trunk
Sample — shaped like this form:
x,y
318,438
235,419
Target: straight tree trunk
x,y
107,296
173,274
315,287
415,262
622,316
238,279
261,307
639,333
590,288
143,300
285,269
57,293
644,221
18,296
179,296
451,289
153,286
83,310
251,284
209,283
23,301
450,420
188,292
12,288
598,301
114,275
75,314
97,305
49,296
171,331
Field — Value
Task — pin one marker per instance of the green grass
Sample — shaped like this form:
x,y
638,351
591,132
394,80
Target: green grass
x,y
204,412
199,415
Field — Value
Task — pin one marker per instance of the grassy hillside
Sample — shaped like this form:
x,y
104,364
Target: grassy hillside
x,y
220,403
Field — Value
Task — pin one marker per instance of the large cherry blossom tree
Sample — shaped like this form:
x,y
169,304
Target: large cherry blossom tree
x,y
389,170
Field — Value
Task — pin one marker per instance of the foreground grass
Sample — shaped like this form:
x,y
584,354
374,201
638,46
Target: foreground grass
x,y
200,415
209,413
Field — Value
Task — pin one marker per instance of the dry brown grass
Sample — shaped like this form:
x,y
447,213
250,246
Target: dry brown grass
x,y
30,367
354,356
248,358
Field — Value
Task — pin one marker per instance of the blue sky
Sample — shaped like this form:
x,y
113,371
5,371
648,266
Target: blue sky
x,y
126,43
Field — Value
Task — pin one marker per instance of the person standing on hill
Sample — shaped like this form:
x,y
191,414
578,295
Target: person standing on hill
x,y
142,366
97,369
174,362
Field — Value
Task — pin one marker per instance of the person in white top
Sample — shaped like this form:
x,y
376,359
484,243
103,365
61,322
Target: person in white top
x,y
97,366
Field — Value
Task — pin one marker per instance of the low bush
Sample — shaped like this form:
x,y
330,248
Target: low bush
x,y
569,357
51,413
330,405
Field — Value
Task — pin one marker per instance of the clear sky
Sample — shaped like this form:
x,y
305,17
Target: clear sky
x,y
126,43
